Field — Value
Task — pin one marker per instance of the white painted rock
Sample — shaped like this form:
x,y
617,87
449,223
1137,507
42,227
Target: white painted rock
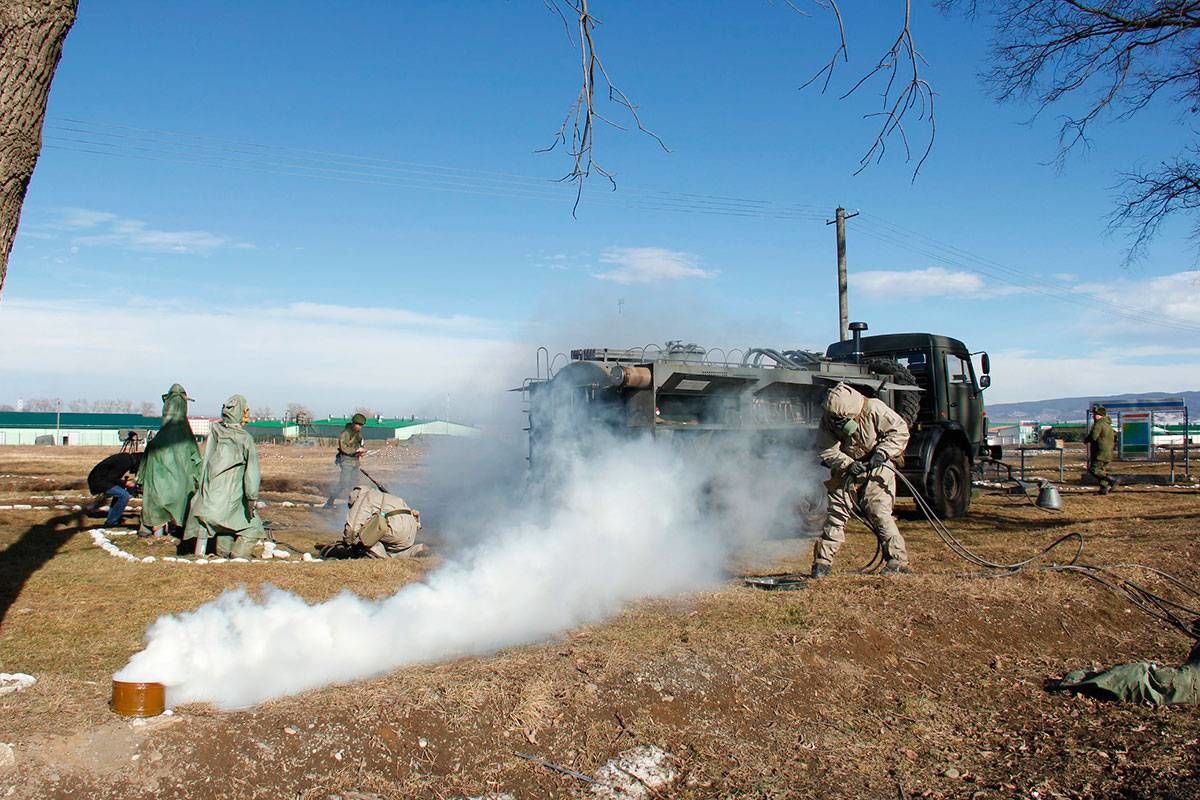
x,y
652,767
15,682
8,757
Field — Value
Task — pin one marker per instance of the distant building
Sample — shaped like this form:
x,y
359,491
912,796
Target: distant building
x,y
1011,434
273,430
72,429
382,428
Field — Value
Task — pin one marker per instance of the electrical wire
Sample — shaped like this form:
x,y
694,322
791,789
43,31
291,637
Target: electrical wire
x,y
1027,283
175,147
178,147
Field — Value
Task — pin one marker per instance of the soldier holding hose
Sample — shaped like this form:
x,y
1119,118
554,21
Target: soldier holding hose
x,y
858,439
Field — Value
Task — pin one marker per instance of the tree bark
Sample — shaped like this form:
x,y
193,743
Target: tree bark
x,y
31,42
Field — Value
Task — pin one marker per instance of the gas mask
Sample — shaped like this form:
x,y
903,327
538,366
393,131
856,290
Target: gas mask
x,y
845,426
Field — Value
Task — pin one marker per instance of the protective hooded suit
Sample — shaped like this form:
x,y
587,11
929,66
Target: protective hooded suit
x,y
170,470
856,430
229,477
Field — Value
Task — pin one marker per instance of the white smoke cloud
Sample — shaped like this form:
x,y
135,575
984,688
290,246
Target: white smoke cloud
x,y
628,524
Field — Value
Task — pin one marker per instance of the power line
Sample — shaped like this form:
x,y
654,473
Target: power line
x,y
107,139
125,141
1026,282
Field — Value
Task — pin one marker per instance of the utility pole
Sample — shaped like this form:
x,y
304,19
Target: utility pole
x,y
840,217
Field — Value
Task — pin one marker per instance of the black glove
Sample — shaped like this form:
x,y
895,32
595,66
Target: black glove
x,y
877,460
857,468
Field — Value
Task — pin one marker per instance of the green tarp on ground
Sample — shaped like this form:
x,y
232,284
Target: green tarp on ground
x,y
1140,682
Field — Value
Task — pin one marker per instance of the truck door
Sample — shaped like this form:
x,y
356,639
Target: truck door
x,y
963,399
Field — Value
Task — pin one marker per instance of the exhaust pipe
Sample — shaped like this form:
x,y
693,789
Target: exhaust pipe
x,y
857,328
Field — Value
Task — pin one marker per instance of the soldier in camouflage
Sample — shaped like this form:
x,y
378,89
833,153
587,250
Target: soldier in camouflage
x,y
1101,440
350,451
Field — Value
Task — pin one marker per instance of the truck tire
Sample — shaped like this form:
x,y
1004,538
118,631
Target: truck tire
x,y
908,404
948,488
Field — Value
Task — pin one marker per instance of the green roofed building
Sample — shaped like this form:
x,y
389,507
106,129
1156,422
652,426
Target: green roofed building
x,y
273,430
48,427
377,429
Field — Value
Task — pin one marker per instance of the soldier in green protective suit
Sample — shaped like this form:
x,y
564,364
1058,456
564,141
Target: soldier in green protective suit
x,y
170,470
224,504
1101,440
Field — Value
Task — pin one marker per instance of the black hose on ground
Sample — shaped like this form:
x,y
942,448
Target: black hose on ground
x,y
1183,618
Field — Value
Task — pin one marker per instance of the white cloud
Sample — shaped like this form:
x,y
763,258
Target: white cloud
x,y
649,265
331,357
1019,375
104,229
85,218
1174,297
928,282
381,317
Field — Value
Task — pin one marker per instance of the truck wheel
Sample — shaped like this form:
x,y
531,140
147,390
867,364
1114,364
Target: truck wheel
x,y
949,485
908,404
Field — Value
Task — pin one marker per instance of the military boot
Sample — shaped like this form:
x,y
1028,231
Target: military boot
x,y
895,568
820,570
1104,489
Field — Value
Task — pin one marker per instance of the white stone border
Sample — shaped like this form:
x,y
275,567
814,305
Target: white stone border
x,y
100,537
134,506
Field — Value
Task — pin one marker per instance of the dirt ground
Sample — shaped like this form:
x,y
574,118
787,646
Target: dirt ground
x,y
925,685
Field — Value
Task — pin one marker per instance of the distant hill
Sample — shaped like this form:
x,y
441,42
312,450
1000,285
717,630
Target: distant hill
x,y
1068,409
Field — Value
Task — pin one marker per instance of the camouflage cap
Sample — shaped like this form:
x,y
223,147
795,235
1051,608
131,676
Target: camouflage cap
x,y
358,419
1099,409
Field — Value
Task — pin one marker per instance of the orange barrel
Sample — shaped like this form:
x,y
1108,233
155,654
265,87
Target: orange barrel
x,y
138,699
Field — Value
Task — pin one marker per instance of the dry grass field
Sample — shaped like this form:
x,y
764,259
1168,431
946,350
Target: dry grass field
x,y
926,685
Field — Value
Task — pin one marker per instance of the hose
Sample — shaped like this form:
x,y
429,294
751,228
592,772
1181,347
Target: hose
x,y
1184,618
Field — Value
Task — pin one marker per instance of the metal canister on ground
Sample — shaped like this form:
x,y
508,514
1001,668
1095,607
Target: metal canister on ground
x,y
130,699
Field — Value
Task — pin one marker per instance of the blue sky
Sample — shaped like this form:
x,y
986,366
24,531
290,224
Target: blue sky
x,y
182,224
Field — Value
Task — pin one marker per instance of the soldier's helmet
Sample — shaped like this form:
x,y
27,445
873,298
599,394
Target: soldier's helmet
x,y
358,419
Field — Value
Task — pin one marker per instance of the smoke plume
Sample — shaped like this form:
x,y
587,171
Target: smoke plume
x,y
616,520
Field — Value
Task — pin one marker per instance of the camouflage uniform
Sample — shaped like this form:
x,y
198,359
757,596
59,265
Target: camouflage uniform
x,y
880,430
1101,441
349,443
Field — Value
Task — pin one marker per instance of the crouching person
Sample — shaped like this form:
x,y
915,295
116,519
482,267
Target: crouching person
x,y
114,477
859,438
381,525
224,504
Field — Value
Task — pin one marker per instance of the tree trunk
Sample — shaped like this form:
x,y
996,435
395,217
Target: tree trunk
x,y
31,42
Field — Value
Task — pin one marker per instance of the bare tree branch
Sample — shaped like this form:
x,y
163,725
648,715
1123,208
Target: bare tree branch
x,y
582,115
1117,57
1148,198
905,94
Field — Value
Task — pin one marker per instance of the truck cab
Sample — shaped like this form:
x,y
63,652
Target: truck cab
x,y
950,429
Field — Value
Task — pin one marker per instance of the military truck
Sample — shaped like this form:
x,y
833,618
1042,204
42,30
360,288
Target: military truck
x,y
774,397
